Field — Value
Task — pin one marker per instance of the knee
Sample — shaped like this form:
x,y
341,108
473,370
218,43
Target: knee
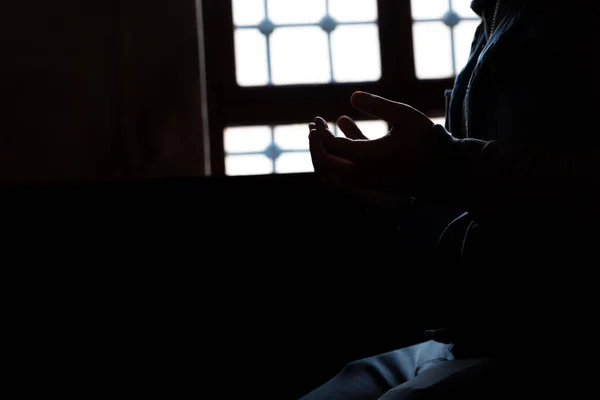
x,y
358,366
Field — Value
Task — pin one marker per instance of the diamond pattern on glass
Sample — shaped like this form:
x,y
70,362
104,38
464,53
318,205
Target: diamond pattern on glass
x,y
442,35
281,149
295,42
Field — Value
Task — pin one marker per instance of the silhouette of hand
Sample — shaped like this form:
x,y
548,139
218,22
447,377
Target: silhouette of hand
x,y
376,171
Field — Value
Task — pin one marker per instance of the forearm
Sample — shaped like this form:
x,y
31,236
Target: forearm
x,y
493,180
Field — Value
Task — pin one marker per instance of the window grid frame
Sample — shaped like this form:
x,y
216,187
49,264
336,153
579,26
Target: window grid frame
x,y
272,151
451,19
230,105
267,31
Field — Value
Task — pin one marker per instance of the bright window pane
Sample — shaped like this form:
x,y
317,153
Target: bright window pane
x,y
463,8
287,151
373,129
292,137
428,9
251,58
433,51
247,139
353,10
296,11
293,163
300,55
248,165
439,120
356,53
248,12
463,38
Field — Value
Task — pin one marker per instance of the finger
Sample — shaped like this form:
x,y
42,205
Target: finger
x,y
323,132
358,151
317,151
321,124
312,126
385,109
323,161
350,129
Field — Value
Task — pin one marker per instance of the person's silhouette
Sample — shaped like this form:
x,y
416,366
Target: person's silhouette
x,y
521,156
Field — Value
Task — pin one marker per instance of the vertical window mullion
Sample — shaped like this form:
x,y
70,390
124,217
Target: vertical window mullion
x,y
395,30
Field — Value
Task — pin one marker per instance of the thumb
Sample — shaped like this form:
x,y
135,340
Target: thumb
x,y
389,111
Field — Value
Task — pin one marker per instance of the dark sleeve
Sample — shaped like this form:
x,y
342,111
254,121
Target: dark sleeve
x,y
497,181
558,173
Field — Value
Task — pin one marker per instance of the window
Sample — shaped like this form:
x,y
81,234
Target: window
x,y
442,35
272,65
259,150
278,149
287,42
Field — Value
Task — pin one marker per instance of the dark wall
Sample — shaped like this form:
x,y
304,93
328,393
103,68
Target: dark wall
x,y
60,95
248,285
161,88
98,90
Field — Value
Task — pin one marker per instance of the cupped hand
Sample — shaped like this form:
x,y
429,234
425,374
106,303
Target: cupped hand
x,y
378,170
